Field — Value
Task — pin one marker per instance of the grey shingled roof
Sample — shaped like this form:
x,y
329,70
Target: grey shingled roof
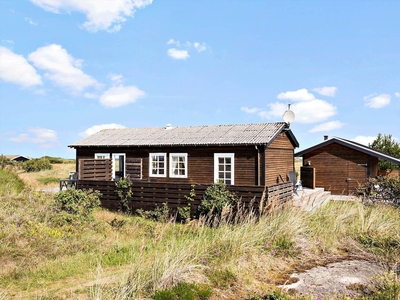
x,y
239,134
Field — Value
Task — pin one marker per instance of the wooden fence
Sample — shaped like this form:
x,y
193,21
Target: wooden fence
x,y
148,195
95,169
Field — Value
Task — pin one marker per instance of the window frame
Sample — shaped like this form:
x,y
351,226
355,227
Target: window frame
x,y
216,167
113,165
151,162
106,155
171,173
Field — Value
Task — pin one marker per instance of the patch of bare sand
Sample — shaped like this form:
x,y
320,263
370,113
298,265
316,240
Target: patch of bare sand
x,y
336,278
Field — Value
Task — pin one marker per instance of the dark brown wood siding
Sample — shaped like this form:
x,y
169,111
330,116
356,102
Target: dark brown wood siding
x,y
200,162
279,159
340,169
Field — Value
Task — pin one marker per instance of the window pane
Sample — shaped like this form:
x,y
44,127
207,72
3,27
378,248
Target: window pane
x,y
221,160
227,182
228,168
221,168
228,175
227,160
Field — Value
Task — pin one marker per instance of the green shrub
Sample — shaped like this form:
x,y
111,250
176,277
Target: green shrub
x,y
80,203
6,162
36,165
215,198
124,192
383,189
160,213
9,181
184,211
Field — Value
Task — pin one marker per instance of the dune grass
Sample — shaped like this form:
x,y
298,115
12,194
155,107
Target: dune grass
x,y
127,257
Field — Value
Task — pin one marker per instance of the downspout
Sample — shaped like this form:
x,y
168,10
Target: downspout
x,y
258,165
369,167
262,165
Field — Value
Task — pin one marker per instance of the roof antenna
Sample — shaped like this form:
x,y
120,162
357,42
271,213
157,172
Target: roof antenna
x,y
288,116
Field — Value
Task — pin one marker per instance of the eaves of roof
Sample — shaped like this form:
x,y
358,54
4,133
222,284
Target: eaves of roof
x,y
352,145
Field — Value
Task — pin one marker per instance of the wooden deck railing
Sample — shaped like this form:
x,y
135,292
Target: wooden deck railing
x,y
148,195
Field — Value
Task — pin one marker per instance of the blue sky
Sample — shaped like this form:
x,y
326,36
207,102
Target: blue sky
x,y
69,68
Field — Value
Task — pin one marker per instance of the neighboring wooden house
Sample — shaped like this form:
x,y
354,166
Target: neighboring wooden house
x,y
339,165
18,158
243,154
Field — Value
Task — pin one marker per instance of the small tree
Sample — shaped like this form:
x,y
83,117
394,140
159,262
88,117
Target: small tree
x,y
124,192
386,144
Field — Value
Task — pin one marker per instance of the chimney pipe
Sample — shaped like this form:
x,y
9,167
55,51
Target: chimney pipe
x,y
325,137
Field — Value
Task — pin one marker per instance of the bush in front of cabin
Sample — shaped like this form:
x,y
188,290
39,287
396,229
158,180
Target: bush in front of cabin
x,y
75,205
216,198
36,165
383,189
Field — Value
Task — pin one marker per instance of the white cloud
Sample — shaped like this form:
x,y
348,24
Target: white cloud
x,y
327,126
397,95
250,110
326,91
299,95
178,54
173,42
37,136
62,68
97,128
117,96
15,68
314,111
365,140
116,78
200,47
377,101
29,20
101,15
307,109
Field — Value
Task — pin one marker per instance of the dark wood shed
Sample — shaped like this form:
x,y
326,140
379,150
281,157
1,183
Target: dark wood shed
x,y
241,154
18,158
339,165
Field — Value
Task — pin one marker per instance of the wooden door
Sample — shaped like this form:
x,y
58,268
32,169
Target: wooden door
x,y
356,175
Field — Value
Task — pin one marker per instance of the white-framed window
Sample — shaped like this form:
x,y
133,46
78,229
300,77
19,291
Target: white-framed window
x,y
158,165
224,167
178,166
102,155
118,165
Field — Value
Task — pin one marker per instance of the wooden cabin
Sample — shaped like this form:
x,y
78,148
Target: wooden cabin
x,y
339,165
242,154
18,158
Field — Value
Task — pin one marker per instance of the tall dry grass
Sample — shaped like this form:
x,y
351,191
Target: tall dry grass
x,y
99,260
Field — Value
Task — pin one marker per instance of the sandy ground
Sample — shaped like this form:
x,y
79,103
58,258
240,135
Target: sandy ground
x,y
335,279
